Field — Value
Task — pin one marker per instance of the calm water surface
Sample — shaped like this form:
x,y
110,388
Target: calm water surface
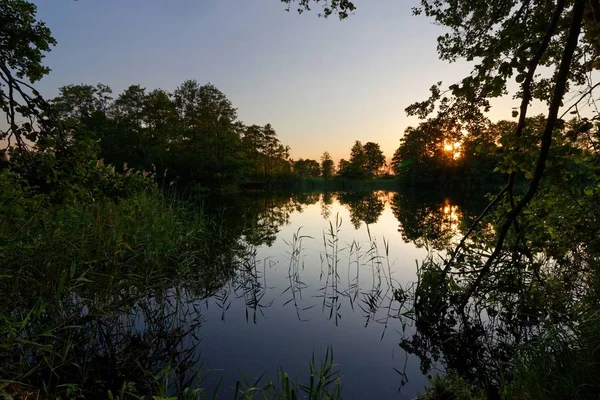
x,y
323,274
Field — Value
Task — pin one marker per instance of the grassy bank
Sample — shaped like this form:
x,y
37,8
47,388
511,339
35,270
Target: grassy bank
x,y
80,274
101,296
556,365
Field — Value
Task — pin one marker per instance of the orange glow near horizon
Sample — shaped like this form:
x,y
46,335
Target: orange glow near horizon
x,y
453,148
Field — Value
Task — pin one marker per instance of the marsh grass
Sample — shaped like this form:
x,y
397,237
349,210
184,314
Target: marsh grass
x,y
103,300
324,383
561,363
80,277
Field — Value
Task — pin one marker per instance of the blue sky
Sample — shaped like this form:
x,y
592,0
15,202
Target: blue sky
x,y
322,83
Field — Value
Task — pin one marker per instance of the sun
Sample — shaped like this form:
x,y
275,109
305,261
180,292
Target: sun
x,y
453,149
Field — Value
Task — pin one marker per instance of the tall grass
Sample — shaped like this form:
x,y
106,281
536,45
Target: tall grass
x,y
79,278
102,300
560,364
323,384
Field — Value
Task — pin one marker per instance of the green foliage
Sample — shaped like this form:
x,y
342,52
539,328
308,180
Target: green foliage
x,y
358,161
450,386
23,42
557,365
343,8
503,38
74,175
365,161
191,135
105,254
429,154
267,157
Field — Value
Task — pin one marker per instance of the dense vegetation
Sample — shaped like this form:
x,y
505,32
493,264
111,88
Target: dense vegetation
x,y
88,227
190,136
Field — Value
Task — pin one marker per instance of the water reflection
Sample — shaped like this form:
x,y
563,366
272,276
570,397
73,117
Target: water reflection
x,y
272,294
364,206
431,222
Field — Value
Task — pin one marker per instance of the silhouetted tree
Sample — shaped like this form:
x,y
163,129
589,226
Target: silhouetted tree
x,y
327,166
375,158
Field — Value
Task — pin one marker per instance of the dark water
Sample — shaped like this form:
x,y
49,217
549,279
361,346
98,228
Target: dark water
x,y
318,272
322,275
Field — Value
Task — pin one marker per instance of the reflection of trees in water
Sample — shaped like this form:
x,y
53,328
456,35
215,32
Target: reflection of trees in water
x,y
537,289
364,207
427,222
478,338
259,215
326,203
144,324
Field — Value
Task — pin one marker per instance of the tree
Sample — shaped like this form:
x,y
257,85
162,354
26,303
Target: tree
x,y
265,155
276,161
375,158
130,104
422,156
307,168
209,136
358,161
344,168
526,36
162,124
327,166
82,101
23,44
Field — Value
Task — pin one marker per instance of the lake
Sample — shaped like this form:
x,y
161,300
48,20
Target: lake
x,y
321,275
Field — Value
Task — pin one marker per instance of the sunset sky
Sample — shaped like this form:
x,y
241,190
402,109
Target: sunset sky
x,y
321,83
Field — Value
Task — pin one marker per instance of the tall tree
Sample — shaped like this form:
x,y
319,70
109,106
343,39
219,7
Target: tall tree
x,y
375,158
327,166
209,133
358,161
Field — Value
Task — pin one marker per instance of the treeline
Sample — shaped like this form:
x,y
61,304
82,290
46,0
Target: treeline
x,y
366,161
192,134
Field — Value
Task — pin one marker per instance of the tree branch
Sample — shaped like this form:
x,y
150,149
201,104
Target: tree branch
x,y
559,91
532,66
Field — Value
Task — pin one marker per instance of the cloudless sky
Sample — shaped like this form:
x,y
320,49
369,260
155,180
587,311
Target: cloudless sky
x,y
321,83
